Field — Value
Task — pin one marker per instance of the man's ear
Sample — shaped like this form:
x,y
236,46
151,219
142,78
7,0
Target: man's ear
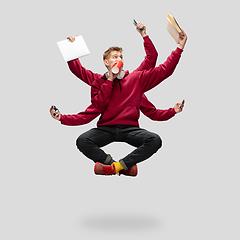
x,y
106,62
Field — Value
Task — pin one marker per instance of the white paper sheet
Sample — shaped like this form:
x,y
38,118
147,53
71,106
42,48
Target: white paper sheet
x,y
73,50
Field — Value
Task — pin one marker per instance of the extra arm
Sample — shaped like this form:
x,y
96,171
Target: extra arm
x,y
79,71
151,78
81,118
154,114
82,73
151,55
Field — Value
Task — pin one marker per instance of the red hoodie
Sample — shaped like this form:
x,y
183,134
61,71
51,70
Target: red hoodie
x,y
120,100
88,77
91,113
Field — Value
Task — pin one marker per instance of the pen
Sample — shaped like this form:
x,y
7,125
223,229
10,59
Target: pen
x,y
135,24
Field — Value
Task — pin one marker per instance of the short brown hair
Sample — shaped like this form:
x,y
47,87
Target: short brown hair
x,y
111,49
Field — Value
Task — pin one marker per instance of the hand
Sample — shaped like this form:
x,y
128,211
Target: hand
x,y
72,38
143,32
57,116
112,76
178,107
182,39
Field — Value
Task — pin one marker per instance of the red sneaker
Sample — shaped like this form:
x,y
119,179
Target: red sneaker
x,y
133,171
101,169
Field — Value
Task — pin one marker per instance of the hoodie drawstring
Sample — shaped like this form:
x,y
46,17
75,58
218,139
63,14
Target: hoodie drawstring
x,y
120,85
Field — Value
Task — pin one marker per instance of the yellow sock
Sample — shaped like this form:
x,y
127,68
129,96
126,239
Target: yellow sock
x,y
118,166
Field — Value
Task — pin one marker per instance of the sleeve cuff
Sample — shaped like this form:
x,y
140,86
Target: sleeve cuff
x,y
146,38
61,118
108,82
179,50
172,112
72,61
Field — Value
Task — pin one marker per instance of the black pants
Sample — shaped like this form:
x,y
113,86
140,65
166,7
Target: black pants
x,y
146,143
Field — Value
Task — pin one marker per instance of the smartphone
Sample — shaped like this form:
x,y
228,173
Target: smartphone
x,y
55,109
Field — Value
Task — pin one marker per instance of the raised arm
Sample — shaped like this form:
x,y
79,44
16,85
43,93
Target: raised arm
x,y
151,78
154,76
82,73
151,52
79,71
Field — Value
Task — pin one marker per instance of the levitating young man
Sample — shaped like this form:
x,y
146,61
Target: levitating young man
x,y
122,117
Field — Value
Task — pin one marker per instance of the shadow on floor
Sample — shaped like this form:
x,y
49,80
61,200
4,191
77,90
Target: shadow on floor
x,y
118,222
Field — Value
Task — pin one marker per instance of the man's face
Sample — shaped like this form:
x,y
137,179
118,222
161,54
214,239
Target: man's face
x,y
113,56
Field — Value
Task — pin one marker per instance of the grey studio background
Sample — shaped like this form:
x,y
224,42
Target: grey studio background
x,y
188,190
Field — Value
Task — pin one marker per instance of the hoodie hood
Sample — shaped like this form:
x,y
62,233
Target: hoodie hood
x,y
120,76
